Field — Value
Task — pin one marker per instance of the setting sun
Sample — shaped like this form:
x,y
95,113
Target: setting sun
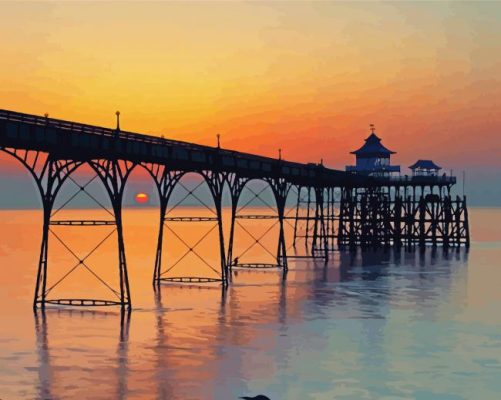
x,y
142,198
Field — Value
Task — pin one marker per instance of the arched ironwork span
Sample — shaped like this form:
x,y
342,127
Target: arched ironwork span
x,y
280,189
49,175
370,211
166,180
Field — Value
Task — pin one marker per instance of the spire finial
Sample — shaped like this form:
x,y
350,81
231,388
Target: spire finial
x,y
373,128
118,120
218,141
279,154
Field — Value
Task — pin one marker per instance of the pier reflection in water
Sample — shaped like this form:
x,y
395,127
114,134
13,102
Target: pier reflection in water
x,y
367,325
53,366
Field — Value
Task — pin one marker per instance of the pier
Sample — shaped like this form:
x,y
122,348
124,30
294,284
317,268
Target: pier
x,y
367,205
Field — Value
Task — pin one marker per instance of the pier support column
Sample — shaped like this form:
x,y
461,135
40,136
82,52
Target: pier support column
x,y
461,224
447,219
49,180
114,174
397,221
216,181
342,214
298,205
165,181
236,185
320,231
280,188
466,223
422,221
49,174
410,217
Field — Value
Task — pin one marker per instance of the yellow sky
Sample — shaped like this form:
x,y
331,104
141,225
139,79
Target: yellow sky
x,y
305,76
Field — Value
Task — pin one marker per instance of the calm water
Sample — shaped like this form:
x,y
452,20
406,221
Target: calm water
x,y
381,325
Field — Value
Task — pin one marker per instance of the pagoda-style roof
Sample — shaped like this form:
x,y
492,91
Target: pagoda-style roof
x,y
425,164
373,148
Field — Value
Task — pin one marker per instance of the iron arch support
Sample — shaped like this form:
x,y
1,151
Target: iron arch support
x,y
113,174
319,229
280,188
165,181
236,184
216,180
49,174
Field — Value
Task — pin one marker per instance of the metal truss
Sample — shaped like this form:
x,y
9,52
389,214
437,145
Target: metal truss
x,y
280,189
236,184
49,175
374,217
372,211
166,180
307,232
331,207
318,221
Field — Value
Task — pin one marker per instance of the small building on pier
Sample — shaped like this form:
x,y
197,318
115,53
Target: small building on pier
x,y
424,168
373,158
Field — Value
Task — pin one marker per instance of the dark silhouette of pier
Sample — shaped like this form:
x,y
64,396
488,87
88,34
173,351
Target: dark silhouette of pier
x,y
335,209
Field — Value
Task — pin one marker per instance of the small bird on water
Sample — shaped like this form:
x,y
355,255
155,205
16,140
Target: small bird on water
x,y
258,397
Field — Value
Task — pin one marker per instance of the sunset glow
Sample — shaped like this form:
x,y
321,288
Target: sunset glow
x,y
250,199
261,73
306,77
141,198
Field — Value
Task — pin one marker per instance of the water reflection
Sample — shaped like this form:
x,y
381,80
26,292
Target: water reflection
x,y
45,376
210,343
365,283
189,343
122,353
55,379
386,324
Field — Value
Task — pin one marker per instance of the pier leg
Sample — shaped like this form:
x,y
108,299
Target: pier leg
x,y
422,221
229,260
282,251
297,215
124,276
224,264
236,185
165,182
280,188
341,226
49,175
410,218
466,223
320,222
397,224
114,175
158,256
447,218
216,182
41,282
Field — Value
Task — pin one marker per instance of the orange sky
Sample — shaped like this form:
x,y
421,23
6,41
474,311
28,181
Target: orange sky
x,y
306,77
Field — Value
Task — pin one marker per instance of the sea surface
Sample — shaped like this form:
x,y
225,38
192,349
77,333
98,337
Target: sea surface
x,y
368,325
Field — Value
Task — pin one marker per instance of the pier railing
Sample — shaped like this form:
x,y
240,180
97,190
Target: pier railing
x,y
73,140
420,179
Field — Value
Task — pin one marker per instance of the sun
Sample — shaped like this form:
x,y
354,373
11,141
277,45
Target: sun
x,y
142,198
